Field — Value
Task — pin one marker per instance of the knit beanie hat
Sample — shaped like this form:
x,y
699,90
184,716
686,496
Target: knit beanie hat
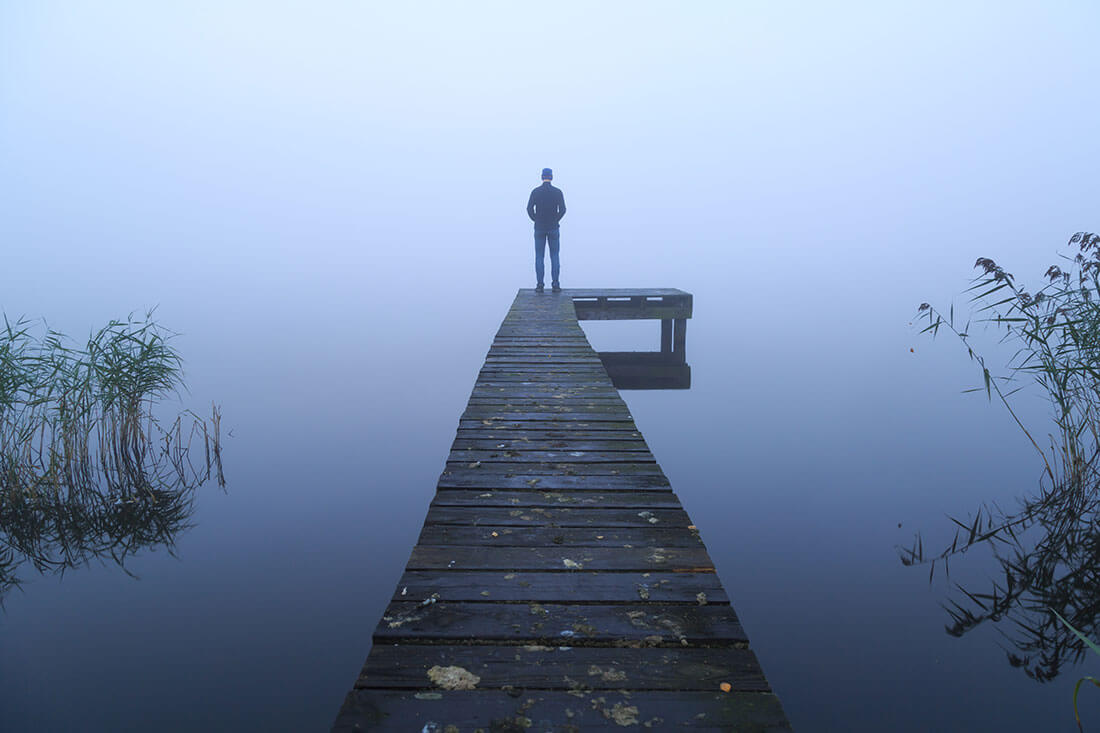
x,y
547,173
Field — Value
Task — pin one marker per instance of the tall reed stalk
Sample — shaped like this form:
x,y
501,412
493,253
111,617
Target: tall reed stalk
x,y
1049,546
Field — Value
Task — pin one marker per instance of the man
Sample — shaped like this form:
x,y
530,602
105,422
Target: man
x,y
546,207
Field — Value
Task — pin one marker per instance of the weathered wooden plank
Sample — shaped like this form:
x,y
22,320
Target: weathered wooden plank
x,y
580,405
488,388
572,341
533,362
512,455
530,426
537,361
548,413
558,516
546,667
535,348
576,293
567,385
626,312
563,558
567,366
565,537
503,396
521,337
542,356
515,709
556,401
540,375
576,332
546,419
555,468
525,325
537,389
664,499
544,349
557,623
533,372
574,467
632,305
534,381
536,378
540,347
484,432
533,357
546,403
499,395
541,342
564,587
475,479
489,444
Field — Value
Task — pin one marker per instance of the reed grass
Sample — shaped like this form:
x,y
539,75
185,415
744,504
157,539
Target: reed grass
x,y
1087,678
86,467
1048,546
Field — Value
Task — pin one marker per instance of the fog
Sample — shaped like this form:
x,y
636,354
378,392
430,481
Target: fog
x,y
327,201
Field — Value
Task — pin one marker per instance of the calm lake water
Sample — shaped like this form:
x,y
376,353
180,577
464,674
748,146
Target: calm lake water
x,y
798,462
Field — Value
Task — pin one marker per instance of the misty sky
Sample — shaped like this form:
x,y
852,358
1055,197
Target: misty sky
x,y
327,200
334,145
811,173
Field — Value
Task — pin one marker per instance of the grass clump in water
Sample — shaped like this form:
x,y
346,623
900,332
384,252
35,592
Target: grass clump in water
x,y
86,467
1048,547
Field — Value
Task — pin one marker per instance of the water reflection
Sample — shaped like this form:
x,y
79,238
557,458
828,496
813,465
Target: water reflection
x,y
1047,550
646,370
1048,555
87,470
53,533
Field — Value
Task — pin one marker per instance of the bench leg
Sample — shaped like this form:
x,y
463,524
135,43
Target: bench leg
x,y
679,339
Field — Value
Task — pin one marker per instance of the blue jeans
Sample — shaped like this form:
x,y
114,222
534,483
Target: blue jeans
x,y
541,238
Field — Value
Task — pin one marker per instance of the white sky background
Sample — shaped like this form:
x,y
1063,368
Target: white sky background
x,y
336,141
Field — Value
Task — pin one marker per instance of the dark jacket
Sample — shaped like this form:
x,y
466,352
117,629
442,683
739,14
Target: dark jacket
x,y
546,207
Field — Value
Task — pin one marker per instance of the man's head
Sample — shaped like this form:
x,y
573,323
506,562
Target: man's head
x,y
547,174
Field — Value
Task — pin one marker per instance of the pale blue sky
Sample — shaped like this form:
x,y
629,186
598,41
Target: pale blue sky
x,y
398,137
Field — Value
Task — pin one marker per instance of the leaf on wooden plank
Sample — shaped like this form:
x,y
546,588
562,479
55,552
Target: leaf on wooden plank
x,y
453,678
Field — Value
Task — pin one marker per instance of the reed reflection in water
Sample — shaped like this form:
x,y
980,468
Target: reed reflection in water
x,y
1048,548
87,470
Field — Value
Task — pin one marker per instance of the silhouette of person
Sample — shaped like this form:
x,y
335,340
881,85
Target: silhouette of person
x,y
546,207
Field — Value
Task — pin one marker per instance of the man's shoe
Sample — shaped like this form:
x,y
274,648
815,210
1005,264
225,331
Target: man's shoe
x,y
539,288
556,288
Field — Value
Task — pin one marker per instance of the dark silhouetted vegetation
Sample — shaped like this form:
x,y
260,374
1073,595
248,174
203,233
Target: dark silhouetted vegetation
x,y
1048,546
86,467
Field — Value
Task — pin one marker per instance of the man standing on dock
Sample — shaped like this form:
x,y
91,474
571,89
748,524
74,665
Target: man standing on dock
x,y
546,207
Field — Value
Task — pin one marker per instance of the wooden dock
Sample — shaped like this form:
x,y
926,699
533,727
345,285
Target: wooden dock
x,y
558,584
